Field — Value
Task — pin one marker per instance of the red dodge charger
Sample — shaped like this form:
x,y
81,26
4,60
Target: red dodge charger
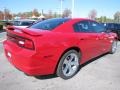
x,y
58,45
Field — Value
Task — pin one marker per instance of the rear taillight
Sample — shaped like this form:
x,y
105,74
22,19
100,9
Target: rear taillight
x,y
26,43
21,41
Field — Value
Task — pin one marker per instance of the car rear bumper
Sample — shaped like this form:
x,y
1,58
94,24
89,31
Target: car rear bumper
x,y
29,61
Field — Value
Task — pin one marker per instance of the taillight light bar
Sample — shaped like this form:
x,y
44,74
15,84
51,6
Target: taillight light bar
x,y
26,43
21,41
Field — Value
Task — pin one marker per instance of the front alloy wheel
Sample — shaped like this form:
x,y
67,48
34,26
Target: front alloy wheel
x,y
113,47
69,64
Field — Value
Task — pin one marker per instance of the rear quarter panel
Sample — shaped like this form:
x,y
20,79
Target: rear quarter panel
x,y
52,45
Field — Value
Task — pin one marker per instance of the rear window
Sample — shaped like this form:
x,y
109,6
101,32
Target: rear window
x,y
49,24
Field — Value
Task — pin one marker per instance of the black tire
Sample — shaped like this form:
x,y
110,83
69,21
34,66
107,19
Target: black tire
x,y
67,56
113,47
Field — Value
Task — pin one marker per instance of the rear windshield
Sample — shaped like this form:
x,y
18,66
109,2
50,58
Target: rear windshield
x,y
49,24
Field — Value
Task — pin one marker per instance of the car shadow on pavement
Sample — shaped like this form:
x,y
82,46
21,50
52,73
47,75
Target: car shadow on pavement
x,y
46,77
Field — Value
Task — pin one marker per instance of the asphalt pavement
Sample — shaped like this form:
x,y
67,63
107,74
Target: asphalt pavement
x,y
101,74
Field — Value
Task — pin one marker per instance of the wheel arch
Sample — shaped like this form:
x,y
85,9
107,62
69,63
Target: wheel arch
x,y
66,50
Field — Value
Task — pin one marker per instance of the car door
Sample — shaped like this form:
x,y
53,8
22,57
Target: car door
x,y
102,37
87,40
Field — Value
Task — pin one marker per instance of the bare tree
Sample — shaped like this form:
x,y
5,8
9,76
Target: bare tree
x,y
66,13
23,16
117,17
1,15
7,15
92,14
50,14
36,13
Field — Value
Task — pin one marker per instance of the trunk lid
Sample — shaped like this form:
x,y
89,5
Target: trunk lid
x,y
25,37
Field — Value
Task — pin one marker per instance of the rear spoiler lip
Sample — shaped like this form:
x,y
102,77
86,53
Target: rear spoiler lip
x,y
24,30
31,33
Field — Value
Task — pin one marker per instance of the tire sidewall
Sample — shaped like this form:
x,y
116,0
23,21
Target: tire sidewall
x,y
111,51
59,69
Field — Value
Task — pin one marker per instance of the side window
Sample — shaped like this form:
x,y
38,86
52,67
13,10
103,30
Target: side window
x,y
97,27
82,26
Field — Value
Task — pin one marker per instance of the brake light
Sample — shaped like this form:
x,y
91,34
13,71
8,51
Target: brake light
x,y
21,41
26,43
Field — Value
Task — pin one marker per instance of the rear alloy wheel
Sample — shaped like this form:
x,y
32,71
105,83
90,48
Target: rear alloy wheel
x,y
113,47
69,64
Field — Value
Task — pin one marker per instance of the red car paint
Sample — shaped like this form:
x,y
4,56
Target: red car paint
x,y
50,45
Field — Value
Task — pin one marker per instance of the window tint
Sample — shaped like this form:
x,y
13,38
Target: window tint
x,y
49,24
82,26
118,26
97,27
110,26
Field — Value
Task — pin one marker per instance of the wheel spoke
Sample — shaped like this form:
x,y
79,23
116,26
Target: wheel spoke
x,y
72,57
114,47
70,64
65,69
74,63
66,61
72,70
